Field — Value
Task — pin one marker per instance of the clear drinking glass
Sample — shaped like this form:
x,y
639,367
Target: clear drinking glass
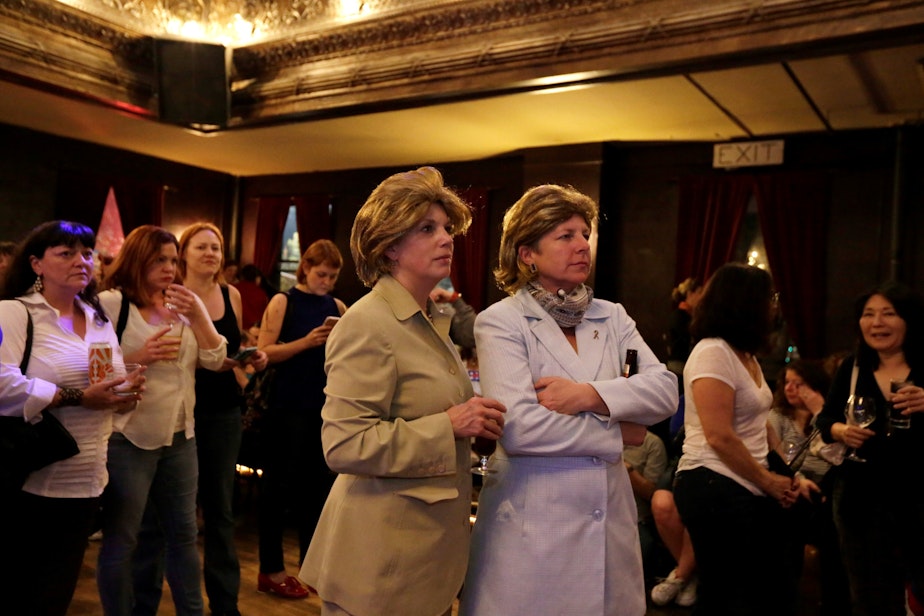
x,y
860,411
175,338
897,421
132,385
790,449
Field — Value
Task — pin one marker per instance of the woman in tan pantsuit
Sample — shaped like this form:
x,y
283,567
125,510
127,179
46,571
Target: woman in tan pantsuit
x,y
400,412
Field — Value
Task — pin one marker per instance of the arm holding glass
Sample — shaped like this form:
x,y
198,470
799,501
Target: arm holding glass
x,y
371,427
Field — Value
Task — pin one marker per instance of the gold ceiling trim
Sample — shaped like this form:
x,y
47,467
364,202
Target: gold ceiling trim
x,y
496,45
433,49
238,22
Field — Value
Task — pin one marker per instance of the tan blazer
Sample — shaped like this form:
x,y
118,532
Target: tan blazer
x,y
393,537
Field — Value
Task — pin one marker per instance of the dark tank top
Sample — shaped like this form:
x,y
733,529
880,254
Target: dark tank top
x,y
300,380
219,391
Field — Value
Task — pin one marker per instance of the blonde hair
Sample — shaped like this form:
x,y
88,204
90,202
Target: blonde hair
x,y
186,238
394,208
538,211
318,253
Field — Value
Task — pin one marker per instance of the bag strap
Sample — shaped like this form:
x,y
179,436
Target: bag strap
x,y
853,378
27,349
799,458
123,317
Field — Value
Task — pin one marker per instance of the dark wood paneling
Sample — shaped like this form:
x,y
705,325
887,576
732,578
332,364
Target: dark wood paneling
x,y
43,177
636,184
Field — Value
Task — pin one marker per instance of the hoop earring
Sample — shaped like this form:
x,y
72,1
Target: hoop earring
x,y
38,286
532,268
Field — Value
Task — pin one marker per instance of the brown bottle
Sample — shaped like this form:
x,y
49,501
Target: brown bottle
x,y
631,366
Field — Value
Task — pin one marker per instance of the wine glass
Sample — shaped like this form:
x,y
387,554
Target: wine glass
x,y
790,449
483,447
860,411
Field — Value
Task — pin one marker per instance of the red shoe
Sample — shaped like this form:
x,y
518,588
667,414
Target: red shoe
x,y
290,588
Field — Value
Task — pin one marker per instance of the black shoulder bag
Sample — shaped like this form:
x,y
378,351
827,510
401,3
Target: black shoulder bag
x,y
26,447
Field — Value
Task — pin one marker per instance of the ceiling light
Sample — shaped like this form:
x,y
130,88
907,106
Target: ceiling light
x,y
232,22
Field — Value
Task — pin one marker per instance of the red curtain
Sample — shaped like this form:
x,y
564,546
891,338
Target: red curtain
x,y
313,219
792,209
470,254
271,220
793,212
711,211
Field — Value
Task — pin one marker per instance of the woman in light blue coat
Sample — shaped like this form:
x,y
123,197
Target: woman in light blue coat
x,y
559,513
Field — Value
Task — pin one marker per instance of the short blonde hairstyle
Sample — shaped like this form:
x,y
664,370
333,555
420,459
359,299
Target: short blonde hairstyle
x,y
538,211
394,208
319,253
186,238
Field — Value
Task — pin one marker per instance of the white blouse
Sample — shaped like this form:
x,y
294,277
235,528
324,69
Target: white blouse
x,y
714,358
170,393
60,358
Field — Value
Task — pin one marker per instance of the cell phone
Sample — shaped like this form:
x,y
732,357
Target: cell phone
x,y
244,353
331,321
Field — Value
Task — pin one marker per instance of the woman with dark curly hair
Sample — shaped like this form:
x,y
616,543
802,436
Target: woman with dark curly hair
x,y
799,398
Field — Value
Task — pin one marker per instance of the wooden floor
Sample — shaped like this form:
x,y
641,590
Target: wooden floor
x,y
253,603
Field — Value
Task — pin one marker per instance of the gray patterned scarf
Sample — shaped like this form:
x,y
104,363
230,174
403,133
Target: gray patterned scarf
x,y
567,311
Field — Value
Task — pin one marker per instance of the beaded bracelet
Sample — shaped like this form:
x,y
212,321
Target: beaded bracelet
x,y
70,397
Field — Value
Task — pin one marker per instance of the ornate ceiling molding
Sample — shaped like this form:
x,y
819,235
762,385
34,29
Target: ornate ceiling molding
x,y
216,20
47,44
408,52
472,48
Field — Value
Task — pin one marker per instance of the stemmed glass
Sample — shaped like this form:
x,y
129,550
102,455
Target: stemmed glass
x,y
484,447
860,411
790,450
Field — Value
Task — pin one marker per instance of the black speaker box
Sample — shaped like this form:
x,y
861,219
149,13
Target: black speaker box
x,y
193,88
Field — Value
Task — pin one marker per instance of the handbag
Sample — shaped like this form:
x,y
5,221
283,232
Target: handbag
x,y
26,447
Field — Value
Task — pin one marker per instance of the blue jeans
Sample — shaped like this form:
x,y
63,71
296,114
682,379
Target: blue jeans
x,y
166,478
218,438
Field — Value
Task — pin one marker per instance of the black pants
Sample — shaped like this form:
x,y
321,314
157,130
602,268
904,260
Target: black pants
x,y
295,477
44,543
743,556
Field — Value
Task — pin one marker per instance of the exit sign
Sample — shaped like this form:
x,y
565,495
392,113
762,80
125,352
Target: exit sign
x,y
747,153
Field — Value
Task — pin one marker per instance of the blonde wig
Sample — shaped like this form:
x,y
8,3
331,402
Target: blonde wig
x,y
538,211
394,208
